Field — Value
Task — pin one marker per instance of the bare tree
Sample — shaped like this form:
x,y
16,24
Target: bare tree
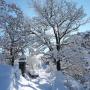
x,y
12,30
56,20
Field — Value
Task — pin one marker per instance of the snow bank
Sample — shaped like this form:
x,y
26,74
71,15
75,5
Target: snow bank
x,y
6,77
72,84
58,83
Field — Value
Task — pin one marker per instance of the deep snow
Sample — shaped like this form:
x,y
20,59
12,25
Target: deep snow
x,y
11,79
6,77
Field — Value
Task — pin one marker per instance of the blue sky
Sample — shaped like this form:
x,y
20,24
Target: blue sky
x,y
86,5
28,9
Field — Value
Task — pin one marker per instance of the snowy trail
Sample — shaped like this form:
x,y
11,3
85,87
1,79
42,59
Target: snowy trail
x,y
45,81
10,79
41,83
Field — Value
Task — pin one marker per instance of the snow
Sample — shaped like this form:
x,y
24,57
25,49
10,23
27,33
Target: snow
x,y
59,81
72,84
11,79
34,63
6,77
41,83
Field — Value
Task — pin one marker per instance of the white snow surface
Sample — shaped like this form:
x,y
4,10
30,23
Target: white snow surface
x,y
11,79
6,77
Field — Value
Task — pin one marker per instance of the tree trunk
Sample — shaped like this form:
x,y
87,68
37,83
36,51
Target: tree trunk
x,y
22,67
12,61
58,65
58,47
12,57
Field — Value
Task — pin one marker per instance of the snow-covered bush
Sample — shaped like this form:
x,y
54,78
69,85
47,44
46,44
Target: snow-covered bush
x,y
34,63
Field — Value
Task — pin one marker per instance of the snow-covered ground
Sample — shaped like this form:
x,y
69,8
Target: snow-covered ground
x,y
45,81
6,77
11,79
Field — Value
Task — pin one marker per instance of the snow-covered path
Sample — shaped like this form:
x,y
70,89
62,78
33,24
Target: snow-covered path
x,y
10,79
41,83
45,81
